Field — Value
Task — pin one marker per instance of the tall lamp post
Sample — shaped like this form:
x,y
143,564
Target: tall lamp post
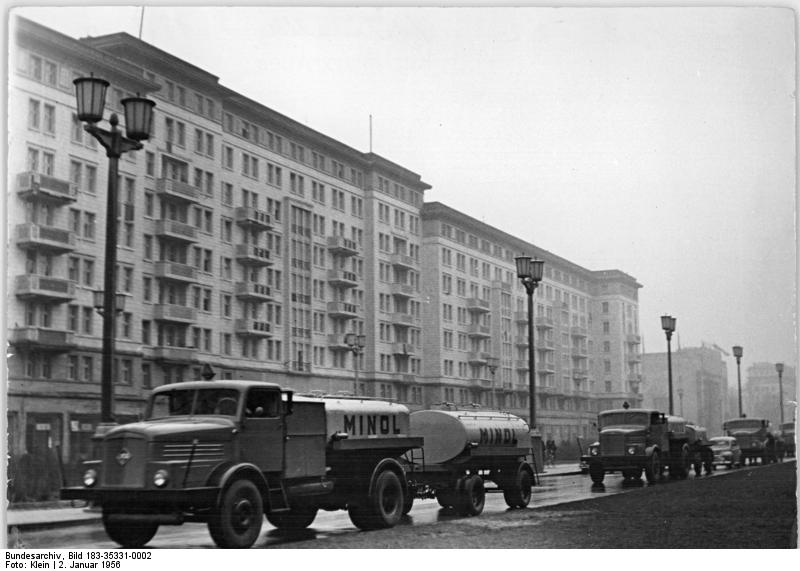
x,y
491,364
90,94
668,325
356,344
779,368
530,271
738,352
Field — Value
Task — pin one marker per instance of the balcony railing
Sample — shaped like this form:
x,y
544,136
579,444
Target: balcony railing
x,y
579,331
174,230
176,190
337,341
343,246
250,255
342,309
40,338
403,261
174,354
253,292
31,236
252,218
521,316
403,319
40,187
174,313
175,271
633,338
544,322
402,290
44,288
252,328
342,278
476,330
478,357
477,305
403,349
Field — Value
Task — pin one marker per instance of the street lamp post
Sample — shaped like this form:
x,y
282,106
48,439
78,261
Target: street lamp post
x,y
668,325
779,368
680,400
491,364
738,352
90,94
356,344
529,271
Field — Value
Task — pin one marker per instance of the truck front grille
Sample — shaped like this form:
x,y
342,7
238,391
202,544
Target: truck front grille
x,y
124,462
213,451
612,444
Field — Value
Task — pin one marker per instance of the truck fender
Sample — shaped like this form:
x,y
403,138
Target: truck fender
x,y
650,450
388,464
225,474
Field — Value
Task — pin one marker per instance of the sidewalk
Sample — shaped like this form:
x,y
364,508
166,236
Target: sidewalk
x,y
60,516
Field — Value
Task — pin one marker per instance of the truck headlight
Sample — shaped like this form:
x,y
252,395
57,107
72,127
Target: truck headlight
x,y
160,478
593,451
632,450
90,477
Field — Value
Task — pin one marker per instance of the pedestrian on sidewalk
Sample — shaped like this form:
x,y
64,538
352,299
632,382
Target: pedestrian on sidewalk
x,y
550,449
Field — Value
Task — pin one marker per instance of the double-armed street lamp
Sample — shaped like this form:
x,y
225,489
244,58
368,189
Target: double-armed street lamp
x,y
530,271
779,369
668,325
738,352
90,94
356,344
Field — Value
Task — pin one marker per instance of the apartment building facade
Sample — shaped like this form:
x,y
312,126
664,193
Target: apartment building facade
x,y
761,393
251,243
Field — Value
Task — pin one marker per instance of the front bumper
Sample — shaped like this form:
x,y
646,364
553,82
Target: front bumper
x,y
621,462
156,500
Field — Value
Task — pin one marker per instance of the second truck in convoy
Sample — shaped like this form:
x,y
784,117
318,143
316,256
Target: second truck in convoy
x,y
227,453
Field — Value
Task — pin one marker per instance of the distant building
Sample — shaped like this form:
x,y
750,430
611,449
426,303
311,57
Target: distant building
x,y
699,385
760,390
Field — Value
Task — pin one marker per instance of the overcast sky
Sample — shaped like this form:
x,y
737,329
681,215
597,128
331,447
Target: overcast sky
x,y
657,141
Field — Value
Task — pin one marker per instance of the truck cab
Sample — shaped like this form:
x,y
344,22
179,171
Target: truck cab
x,y
751,434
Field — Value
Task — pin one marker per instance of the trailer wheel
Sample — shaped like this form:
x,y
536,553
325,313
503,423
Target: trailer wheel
x,y
518,494
128,534
652,469
471,499
236,522
295,519
384,507
596,472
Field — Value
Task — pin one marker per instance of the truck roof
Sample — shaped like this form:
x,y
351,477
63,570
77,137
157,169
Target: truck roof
x,y
227,383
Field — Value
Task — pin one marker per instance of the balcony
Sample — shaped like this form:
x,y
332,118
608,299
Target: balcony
x,y
252,328
579,351
501,285
521,364
634,358
176,190
521,316
41,339
301,298
174,313
252,292
32,236
578,331
342,246
633,338
175,271
252,218
33,186
342,278
477,305
336,341
403,349
44,288
174,230
181,355
545,367
481,383
402,290
480,331
249,255
580,374
403,319
521,340
478,357
303,332
403,261
544,322
342,309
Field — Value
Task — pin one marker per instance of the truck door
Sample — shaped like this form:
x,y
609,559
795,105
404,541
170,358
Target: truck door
x,y
262,429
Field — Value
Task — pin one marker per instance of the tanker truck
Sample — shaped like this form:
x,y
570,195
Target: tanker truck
x,y
462,449
226,453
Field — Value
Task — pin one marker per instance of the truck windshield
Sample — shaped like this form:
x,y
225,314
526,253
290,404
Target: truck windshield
x,y
787,426
743,423
189,402
624,418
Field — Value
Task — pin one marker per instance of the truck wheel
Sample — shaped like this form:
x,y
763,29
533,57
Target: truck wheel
x,y
408,501
596,472
518,494
653,468
384,507
236,523
294,519
129,534
471,499
446,498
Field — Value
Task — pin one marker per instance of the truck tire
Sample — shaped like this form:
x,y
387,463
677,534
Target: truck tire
x,y
236,522
408,501
652,469
472,496
445,497
518,493
596,472
384,507
128,534
293,520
